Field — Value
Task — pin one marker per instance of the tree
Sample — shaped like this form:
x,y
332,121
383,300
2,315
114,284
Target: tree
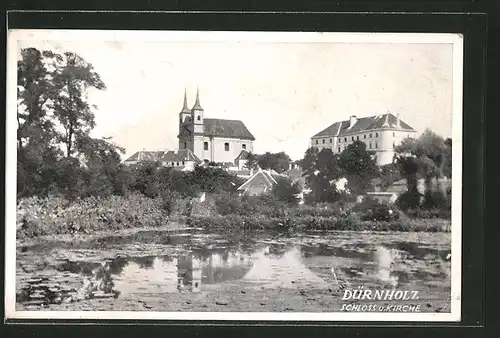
x,y
252,162
321,170
278,162
73,78
358,167
285,190
431,153
389,174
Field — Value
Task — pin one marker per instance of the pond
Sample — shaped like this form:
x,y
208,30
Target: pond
x,y
195,271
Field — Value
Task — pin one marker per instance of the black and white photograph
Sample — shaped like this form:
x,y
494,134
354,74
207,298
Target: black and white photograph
x,y
233,175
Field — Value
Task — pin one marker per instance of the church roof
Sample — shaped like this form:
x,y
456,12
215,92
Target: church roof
x,y
185,108
197,105
364,124
226,128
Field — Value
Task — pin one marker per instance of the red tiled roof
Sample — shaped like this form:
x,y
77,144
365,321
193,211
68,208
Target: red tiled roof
x,y
226,128
145,155
363,124
182,155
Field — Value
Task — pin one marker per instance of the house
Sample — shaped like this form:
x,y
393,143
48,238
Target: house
x,y
144,156
380,133
210,139
242,159
184,159
260,183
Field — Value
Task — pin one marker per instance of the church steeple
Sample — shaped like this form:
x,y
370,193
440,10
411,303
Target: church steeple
x,y
197,105
185,108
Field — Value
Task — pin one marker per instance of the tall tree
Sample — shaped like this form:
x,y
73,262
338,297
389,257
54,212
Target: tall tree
x,y
278,162
72,110
358,166
321,171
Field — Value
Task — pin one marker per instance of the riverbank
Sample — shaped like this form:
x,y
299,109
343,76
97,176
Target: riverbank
x,y
56,216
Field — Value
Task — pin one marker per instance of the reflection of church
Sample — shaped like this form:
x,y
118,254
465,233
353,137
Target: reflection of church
x,y
210,268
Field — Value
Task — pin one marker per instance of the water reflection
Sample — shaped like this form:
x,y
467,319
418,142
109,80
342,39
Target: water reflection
x,y
204,263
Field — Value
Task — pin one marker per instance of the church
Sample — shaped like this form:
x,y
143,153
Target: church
x,y
202,140
210,139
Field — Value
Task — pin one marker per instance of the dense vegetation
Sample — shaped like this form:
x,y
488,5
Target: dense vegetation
x,y
68,181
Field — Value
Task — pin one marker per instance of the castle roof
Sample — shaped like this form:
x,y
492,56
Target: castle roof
x,y
364,124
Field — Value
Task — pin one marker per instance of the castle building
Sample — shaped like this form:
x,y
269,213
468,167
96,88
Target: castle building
x,y
380,133
212,140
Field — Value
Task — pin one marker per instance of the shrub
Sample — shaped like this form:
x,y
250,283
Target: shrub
x,y
228,204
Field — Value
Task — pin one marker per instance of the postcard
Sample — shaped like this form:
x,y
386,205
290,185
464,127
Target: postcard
x,y
251,176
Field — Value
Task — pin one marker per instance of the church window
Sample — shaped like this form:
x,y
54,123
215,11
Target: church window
x,y
339,149
199,117
316,141
182,162
205,145
244,146
177,163
357,138
330,140
393,134
226,146
323,141
370,135
352,138
185,145
393,144
345,139
376,144
172,163
370,145
376,134
364,136
180,120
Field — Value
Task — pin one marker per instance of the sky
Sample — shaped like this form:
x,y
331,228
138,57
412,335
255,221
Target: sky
x,y
285,90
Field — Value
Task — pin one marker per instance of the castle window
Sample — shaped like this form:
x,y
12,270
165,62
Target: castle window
x,y
244,146
323,141
199,117
357,138
172,163
185,145
370,135
180,120
177,163
376,134
376,144
345,139
370,145
316,141
393,134
182,162
205,145
339,149
330,140
226,146
393,144
364,136
352,138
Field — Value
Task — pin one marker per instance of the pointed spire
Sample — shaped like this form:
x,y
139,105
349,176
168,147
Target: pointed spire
x,y
197,105
185,108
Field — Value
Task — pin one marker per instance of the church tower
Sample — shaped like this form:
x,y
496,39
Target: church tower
x,y
185,114
197,117
197,114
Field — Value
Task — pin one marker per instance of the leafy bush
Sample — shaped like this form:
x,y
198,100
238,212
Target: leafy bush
x,y
372,210
228,204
